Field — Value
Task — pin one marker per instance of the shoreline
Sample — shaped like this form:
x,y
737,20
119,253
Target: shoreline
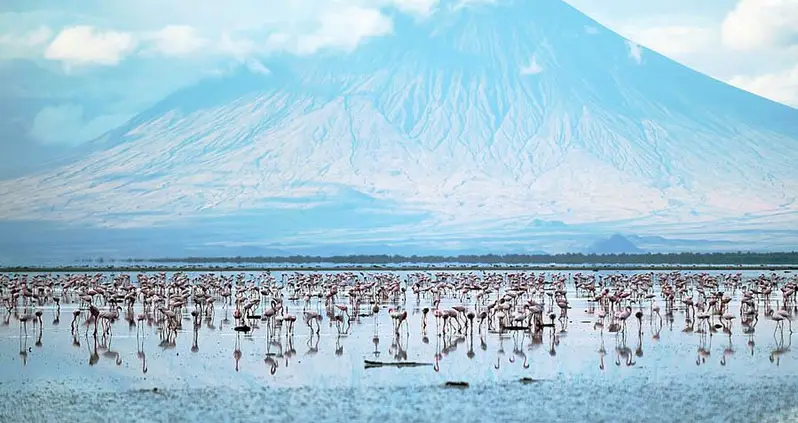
x,y
393,268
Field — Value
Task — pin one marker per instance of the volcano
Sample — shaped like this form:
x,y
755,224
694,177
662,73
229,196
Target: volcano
x,y
512,125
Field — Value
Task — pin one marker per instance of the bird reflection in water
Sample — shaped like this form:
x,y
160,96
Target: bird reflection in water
x,y
225,319
339,348
518,349
108,352
554,340
399,352
602,351
237,350
623,354
290,351
94,355
704,348
194,341
781,348
438,354
689,326
313,346
639,348
38,343
23,349
271,363
209,320
656,329
728,351
748,324
271,357
141,355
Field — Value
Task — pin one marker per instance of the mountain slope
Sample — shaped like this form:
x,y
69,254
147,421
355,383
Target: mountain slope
x,y
467,126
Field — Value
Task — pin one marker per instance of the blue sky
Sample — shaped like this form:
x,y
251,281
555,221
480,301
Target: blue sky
x,y
99,62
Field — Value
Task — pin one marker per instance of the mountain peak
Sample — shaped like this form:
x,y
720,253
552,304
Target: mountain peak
x,y
505,114
615,244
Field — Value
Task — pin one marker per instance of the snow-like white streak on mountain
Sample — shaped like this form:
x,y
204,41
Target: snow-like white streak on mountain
x,y
482,120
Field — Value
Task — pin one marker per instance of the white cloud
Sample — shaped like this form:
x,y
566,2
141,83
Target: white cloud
x,y
757,24
673,40
208,28
416,7
781,86
178,40
238,48
340,29
85,45
66,124
15,45
33,38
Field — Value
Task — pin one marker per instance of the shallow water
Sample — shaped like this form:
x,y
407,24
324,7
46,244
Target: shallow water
x,y
659,374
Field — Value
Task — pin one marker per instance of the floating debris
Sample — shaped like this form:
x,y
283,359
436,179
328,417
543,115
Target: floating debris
x,y
452,384
371,363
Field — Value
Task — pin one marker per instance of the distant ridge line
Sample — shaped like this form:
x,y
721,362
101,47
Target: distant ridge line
x,y
394,268
719,258
571,261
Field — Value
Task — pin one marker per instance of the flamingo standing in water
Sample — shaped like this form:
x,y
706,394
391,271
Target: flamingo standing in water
x,y
75,316
23,320
375,309
785,315
622,316
290,319
95,314
639,316
311,316
345,310
140,323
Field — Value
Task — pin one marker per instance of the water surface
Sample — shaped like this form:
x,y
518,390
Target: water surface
x,y
578,372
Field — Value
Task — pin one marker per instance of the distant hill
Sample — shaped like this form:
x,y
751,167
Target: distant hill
x,y
616,244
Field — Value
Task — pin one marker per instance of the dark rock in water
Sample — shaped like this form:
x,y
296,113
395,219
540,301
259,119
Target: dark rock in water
x,y
400,364
451,384
526,380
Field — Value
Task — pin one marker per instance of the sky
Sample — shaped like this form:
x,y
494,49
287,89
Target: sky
x,y
100,62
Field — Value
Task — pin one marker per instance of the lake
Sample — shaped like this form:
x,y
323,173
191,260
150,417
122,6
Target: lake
x,y
664,370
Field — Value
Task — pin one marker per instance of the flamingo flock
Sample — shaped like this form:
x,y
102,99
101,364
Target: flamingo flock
x,y
465,306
